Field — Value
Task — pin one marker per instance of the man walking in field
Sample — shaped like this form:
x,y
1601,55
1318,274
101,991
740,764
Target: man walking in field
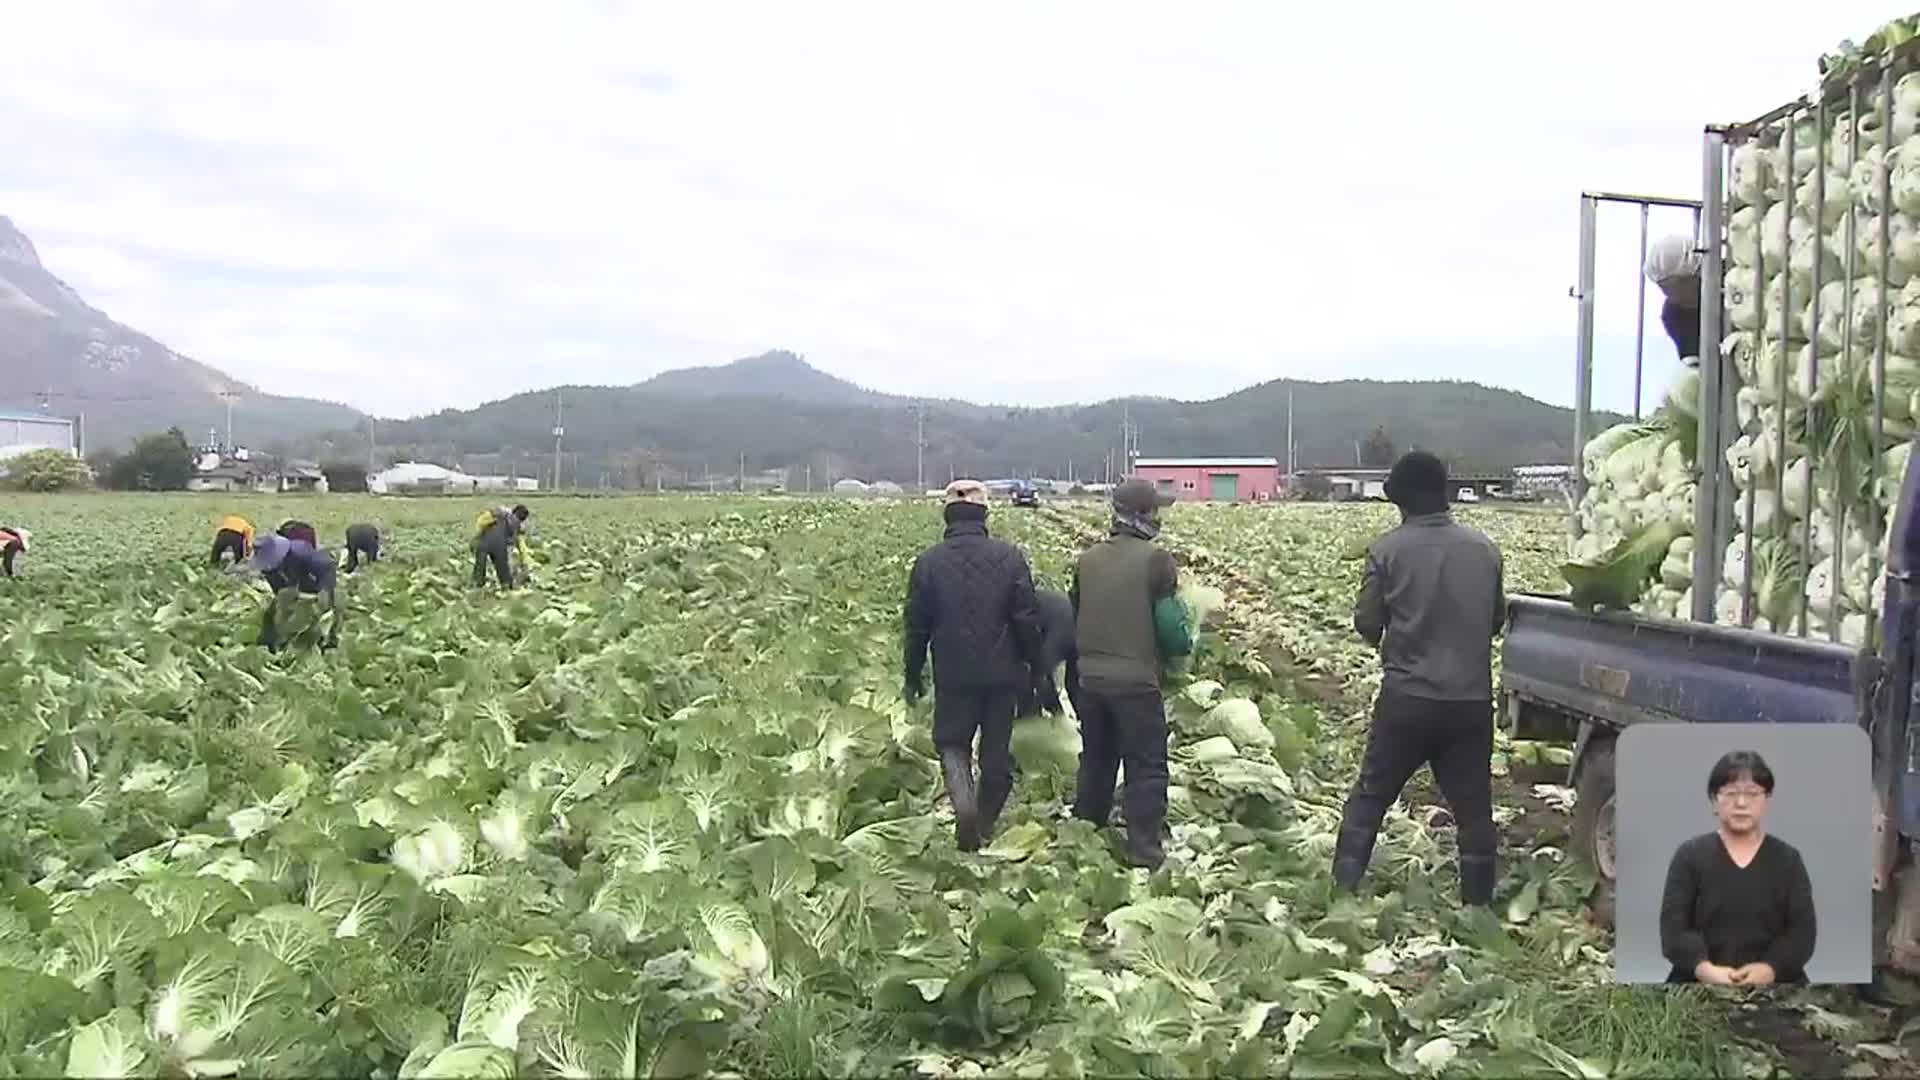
x,y
363,541
496,532
235,537
970,600
14,542
1432,602
1128,623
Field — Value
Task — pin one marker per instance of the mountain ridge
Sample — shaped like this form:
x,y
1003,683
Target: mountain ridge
x,y
776,412
57,347
771,412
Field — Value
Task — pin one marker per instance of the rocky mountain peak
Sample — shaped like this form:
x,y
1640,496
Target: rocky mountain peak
x,y
14,245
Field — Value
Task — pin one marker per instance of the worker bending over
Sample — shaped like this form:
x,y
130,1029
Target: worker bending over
x,y
235,536
299,530
363,541
293,567
496,532
1056,647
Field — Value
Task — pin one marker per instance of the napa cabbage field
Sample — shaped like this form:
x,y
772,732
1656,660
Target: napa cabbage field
x,y
663,813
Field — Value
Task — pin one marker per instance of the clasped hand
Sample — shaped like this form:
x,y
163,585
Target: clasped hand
x,y
1757,974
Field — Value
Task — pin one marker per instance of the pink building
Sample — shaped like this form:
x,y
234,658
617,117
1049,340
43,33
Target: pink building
x,y
1213,479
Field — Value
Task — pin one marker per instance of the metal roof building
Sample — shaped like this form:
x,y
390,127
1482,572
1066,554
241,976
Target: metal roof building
x,y
21,431
1213,479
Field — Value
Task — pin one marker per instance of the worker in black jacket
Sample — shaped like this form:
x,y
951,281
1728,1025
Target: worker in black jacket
x,y
970,599
1056,648
363,542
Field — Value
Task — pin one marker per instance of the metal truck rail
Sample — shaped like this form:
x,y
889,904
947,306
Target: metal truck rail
x,y
1587,675
1716,495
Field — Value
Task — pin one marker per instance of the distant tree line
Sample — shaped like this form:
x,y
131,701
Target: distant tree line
x,y
628,437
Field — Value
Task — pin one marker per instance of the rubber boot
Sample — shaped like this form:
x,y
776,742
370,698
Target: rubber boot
x,y
957,766
1143,845
1478,874
990,809
1352,851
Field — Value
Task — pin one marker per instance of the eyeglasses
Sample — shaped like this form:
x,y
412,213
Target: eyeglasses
x,y
1739,795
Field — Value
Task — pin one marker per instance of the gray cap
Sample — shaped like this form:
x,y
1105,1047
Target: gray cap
x,y
270,550
1138,496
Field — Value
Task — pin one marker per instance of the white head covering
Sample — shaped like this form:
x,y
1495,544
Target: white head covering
x,y
1672,257
26,539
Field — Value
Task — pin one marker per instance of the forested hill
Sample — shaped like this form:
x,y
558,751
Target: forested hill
x,y
780,413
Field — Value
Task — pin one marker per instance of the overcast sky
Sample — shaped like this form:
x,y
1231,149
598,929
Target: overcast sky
x,y
416,205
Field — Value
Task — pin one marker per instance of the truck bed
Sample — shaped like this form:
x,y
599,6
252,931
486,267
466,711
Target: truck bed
x,y
1619,668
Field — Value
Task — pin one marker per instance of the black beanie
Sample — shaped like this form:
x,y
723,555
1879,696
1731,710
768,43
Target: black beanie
x,y
958,512
1417,483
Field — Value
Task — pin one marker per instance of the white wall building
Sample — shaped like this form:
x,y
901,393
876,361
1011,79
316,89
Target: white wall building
x,y
507,483
422,478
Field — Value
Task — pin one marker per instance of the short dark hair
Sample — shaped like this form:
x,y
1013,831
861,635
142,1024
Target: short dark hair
x,y
1418,483
521,511
1733,764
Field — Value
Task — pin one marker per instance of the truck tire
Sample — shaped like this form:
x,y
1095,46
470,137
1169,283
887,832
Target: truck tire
x,y
1593,828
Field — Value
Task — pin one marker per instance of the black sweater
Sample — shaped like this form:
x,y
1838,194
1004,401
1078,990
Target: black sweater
x,y
1683,326
1730,915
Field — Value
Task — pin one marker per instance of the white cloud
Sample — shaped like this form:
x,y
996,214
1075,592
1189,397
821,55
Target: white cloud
x,y
1009,202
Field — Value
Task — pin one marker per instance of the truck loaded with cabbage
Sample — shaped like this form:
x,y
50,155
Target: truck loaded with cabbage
x,y
1743,551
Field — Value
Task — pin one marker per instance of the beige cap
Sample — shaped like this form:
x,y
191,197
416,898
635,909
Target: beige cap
x,y
967,491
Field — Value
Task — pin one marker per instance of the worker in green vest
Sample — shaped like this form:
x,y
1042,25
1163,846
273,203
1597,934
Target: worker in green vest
x,y
1127,624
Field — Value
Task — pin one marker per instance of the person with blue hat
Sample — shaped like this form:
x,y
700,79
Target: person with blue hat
x,y
293,567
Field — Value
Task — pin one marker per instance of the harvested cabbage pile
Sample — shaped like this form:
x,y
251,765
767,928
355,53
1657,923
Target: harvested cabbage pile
x,y
1636,520
1808,303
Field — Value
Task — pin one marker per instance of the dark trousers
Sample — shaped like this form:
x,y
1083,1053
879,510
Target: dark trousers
x,y
958,715
7,554
228,540
372,552
1130,729
502,566
1454,738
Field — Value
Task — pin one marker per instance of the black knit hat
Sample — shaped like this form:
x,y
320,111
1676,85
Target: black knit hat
x,y
1418,483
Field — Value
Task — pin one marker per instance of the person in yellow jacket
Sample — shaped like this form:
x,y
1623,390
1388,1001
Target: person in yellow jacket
x,y
496,531
235,535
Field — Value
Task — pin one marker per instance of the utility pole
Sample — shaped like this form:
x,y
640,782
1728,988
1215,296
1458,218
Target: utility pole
x,y
229,395
809,477
920,447
559,430
1290,460
743,472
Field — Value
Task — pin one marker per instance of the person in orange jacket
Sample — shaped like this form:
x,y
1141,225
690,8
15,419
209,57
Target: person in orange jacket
x,y
236,536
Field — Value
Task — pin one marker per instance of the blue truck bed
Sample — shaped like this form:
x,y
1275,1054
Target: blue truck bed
x,y
1625,669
